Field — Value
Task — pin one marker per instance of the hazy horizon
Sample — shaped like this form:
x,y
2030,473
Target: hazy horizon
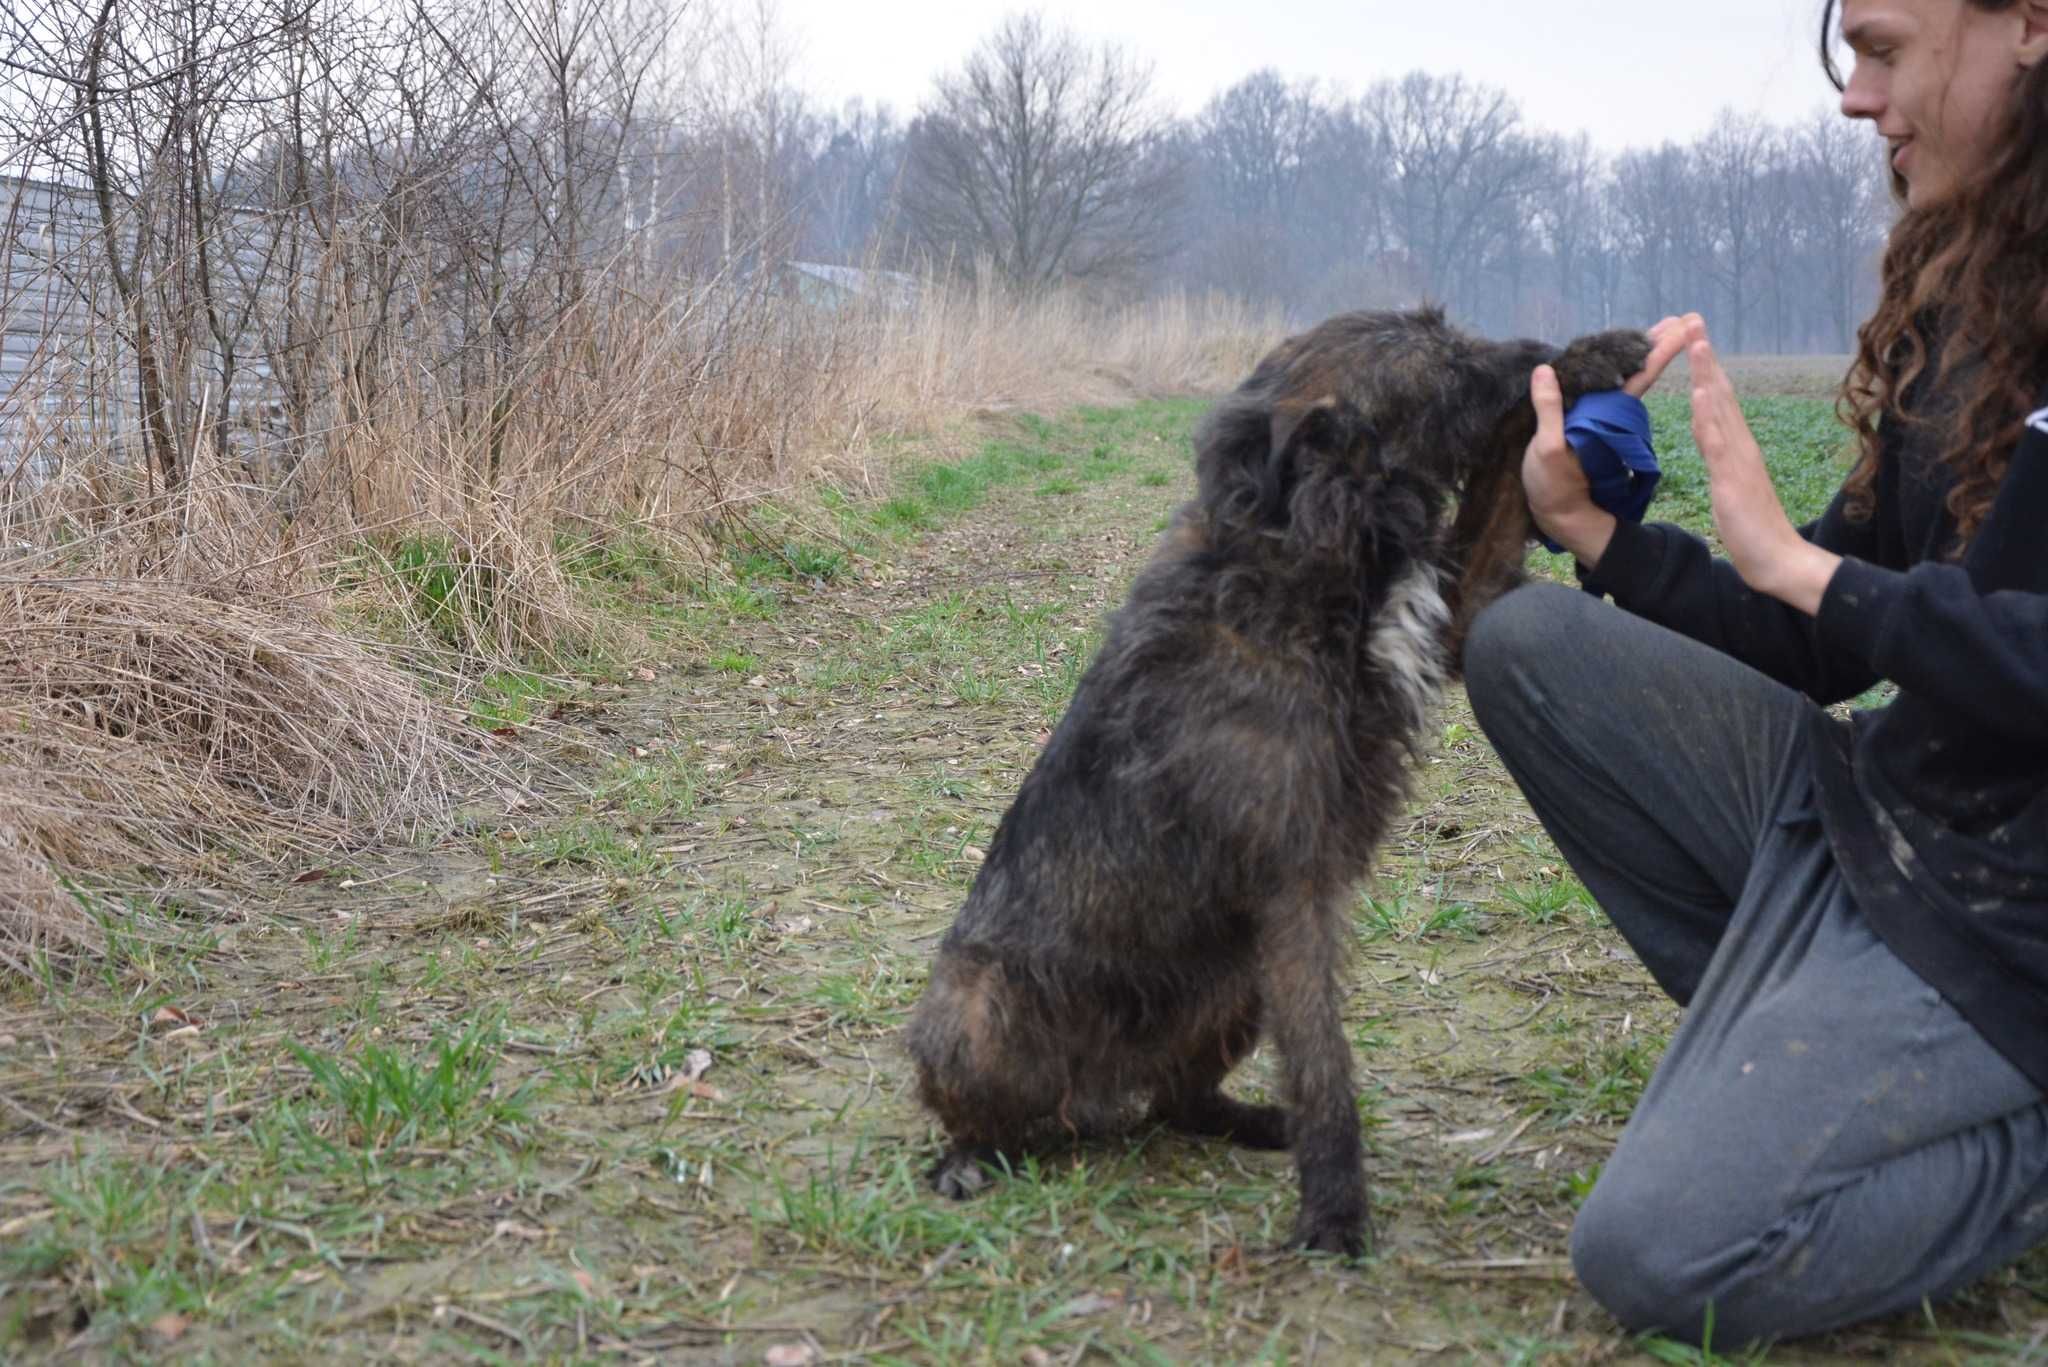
x,y
1627,74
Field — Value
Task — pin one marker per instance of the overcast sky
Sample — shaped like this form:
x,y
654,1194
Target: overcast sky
x,y
1630,72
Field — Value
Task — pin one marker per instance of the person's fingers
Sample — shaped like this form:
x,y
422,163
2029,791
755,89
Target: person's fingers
x,y
1706,425
1717,421
1548,399
1665,347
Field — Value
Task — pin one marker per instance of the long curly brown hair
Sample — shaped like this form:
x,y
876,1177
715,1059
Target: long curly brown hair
x,y
1965,280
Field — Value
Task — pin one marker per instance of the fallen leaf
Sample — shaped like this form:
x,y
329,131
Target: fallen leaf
x,y
10,1228
644,674
790,1355
313,875
585,1283
696,1064
505,732
1094,1303
798,925
975,855
169,1328
171,1015
1036,1357
512,1229
758,681
703,1091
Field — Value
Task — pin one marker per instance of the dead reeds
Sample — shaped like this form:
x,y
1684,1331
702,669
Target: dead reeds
x,y
194,680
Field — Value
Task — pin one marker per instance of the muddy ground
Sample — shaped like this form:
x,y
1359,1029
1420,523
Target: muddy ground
x,y
609,1070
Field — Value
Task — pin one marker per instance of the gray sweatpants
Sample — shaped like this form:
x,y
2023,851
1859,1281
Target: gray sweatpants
x,y
1827,1140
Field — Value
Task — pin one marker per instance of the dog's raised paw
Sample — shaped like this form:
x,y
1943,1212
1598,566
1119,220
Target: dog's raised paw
x,y
1602,361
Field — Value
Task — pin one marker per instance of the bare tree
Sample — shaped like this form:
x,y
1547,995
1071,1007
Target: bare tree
x,y
1250,154
852,185
1045,157
1839,173
1655,196
157,114
1458,159
1733,160
1567,208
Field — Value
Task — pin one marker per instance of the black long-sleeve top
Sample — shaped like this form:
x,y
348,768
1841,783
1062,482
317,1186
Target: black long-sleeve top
x,y
1937,805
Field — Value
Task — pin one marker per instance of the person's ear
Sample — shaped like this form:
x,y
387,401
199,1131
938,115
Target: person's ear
x,y
2033,33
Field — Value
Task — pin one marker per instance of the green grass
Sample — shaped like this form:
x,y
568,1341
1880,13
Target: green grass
x,y
1602,1084
1546,901
619,1072
625,559
385,1099
511,698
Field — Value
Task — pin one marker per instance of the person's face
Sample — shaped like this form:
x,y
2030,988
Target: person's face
x,y
1936,77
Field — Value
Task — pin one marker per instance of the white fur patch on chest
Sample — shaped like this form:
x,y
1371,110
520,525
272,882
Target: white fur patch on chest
x,y
1407,643
2038,421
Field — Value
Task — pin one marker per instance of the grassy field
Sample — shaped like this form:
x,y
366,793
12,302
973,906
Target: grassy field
x,y
609,1069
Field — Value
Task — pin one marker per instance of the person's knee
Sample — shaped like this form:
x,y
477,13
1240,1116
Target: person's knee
x,y
1657,1271
1623,1258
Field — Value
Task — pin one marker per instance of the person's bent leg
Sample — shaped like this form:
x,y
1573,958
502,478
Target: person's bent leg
x,y
1827,1140
1651,759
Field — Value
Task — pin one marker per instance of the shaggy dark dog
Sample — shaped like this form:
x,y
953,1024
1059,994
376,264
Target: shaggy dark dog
x,y
1175,872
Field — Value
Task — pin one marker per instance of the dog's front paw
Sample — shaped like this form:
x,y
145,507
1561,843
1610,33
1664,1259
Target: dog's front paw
x,y
1600,362
962,1173
1348,1234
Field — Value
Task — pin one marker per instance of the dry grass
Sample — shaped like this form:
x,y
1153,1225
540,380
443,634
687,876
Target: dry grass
x,y
175,696
184,677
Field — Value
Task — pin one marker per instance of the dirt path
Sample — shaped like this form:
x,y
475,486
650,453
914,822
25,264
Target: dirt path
x,y
610,1071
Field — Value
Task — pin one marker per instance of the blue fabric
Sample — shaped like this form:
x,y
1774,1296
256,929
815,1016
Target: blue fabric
x,y
1610,434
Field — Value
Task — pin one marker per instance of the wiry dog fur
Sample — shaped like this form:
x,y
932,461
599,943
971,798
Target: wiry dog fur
x,y
1174,874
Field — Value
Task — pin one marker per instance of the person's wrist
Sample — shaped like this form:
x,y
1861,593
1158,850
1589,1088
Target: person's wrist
x,y
1585,532
1801,576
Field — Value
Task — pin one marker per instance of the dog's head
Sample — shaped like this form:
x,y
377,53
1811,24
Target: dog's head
x,y
1371,408
1336,407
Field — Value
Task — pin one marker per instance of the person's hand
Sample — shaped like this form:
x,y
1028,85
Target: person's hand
x,y
1559,497
1763,545
1667,340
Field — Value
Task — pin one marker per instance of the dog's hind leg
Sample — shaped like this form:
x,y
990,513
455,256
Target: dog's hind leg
x,y
1192,1101
1212,1115
981,1069
1300,952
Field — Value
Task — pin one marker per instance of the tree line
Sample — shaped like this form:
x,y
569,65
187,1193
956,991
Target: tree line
x,y
428,191
1048,159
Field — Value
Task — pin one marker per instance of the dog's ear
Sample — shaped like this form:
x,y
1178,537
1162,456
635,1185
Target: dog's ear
x,y
1330,427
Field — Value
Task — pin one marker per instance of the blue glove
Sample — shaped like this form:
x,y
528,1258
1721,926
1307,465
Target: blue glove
x,y
1610,434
